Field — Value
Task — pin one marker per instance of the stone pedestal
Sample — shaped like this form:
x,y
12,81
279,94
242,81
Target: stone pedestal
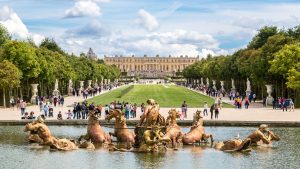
x,y
207,82
81,83
248,90
89,83
55,91
34,91
269,99
214,84
222,86
70,88
233,90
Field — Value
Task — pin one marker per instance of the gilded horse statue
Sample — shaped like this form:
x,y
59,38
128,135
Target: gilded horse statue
x,y
263,136
151,116
40,133
173,131
95,133
122,132
152,141
197,131
235,144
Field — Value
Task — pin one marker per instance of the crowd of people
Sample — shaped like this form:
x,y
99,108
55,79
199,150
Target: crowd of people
x,y
283,103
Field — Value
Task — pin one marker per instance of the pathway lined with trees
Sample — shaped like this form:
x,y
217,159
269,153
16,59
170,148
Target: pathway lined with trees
x,y
23,63
272,57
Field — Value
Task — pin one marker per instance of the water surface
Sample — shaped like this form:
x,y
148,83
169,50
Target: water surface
x,y
15,152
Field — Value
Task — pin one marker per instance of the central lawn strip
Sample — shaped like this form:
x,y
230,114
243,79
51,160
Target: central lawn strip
x,y
166,97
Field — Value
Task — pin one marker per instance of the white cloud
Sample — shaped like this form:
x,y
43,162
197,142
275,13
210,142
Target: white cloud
x,y
146,20
83,8
15,26
92,29
176,43
13,23
97,1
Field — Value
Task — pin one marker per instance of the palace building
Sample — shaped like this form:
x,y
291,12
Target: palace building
x,y
150,67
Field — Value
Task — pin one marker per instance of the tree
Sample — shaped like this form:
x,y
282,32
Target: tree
x,y
51,45
4,35
10,77
22,55
286,63
261,38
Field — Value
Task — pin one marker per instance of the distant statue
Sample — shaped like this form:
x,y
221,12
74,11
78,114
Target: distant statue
x,y
232,84
70,84
56,85
207,82
55,91
70,87
248,85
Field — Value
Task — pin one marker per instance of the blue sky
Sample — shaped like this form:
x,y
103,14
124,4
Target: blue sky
x,y
126,27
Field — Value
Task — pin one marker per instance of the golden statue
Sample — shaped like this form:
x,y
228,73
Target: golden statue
x,y
40,133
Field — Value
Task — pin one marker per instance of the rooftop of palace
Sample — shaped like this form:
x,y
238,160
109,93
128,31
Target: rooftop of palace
x,y
157,56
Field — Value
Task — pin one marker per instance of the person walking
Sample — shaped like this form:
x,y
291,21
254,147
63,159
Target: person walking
x,y
62,101
55,101
46,109
41,105
142,108
22,107
274,103
212,107
184,110
134,109
106,109
12,103
246,103
205,109
78,111
285,105
292,105
216,113
74,111
69,114
127,110
254,97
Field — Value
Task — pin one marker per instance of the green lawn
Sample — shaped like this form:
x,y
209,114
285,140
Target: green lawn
x,y
165,95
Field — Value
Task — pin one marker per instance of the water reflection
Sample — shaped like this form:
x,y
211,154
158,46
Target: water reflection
x,y
17,153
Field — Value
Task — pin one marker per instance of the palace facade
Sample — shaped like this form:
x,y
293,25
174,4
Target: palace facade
x,y
150,67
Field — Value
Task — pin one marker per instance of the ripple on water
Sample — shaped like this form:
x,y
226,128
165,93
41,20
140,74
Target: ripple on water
x,y
17,153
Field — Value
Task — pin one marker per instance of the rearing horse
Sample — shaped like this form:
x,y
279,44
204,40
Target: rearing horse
x,y
197,131
122,132
173,131
95,132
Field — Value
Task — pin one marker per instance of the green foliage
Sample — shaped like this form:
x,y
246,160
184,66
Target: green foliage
x,y
271,56
48,62
10,75
51,45
22,55
4,35
170,96
261,38
287,63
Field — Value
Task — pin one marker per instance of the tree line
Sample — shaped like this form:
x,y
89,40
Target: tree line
x,y
271,57
23,63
